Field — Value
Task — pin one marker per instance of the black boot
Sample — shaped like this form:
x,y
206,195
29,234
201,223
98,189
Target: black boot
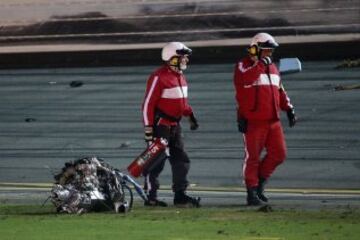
x,y
252,197
261,189
183,200
152,201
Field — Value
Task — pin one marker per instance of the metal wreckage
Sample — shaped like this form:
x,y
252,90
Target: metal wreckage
x,y
90,184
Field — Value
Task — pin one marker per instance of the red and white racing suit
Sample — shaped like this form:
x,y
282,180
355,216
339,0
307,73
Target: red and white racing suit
x,y
164,104
166,92
260,97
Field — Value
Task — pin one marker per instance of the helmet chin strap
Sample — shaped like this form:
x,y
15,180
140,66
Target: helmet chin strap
x,y
259,53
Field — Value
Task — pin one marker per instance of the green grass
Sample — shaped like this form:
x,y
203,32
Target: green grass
x,y
34,222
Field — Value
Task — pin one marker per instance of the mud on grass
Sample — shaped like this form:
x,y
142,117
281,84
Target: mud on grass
x,y
34,222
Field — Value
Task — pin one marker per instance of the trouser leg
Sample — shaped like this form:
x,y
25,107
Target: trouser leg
x,y
179,160
254,142
275,150
152,184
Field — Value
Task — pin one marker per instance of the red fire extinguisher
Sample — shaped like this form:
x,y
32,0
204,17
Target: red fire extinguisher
x,y
147,158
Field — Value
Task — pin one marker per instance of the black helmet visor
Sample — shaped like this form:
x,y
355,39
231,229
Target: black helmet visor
x,y
268,44
184,51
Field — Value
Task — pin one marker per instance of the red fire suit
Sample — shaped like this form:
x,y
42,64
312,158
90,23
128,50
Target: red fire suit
x,y
166,91
164,104
260,97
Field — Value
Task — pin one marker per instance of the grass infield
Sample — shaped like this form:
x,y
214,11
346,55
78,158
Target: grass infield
x,y
35,222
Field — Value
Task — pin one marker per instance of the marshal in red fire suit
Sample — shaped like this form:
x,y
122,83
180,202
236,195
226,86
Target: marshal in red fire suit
x,y
164,105
260,98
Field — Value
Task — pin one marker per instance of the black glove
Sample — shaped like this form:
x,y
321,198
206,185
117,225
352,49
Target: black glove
x,y
266,60
242,125
148,130
291,117
193,122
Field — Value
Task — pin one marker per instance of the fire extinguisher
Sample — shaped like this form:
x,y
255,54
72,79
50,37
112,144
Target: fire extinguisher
x,y
148,158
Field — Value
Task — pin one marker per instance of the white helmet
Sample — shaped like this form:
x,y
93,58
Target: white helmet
x,y
174,49
264,41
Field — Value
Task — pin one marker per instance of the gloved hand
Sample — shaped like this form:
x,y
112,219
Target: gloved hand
x,y
193,122
242,125
266,60
291,117
148,130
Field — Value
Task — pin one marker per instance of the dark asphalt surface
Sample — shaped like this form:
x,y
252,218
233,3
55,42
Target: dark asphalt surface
x,y
44,123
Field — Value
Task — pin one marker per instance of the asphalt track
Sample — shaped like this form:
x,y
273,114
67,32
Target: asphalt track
x,y
45,122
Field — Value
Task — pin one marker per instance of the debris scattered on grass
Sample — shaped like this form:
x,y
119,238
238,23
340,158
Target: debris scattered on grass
x,y
265,208
222,232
